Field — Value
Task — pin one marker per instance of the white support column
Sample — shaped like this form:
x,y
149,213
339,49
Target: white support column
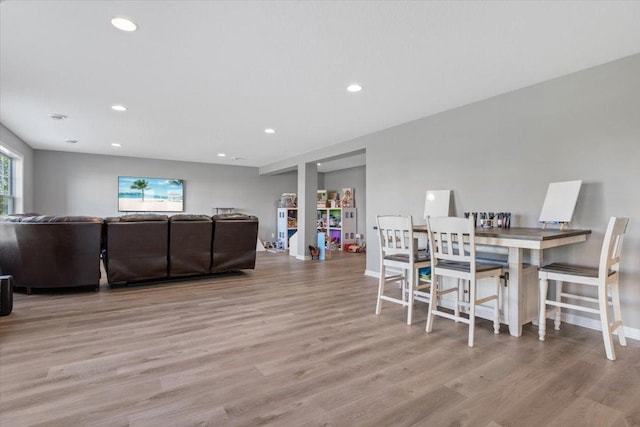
x,y
307,216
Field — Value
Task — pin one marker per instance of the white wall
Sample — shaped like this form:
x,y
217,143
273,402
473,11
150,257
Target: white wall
x,y
87,184
351,178
500,154
25,153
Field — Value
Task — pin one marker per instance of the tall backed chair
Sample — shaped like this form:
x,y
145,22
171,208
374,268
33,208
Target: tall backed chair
x,y
603,278
450,258
397,252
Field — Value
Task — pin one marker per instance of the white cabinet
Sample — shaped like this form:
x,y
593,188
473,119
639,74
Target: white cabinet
x,y
287,225
339,224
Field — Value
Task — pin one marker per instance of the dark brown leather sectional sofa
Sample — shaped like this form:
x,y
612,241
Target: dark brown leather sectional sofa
x,y
48,252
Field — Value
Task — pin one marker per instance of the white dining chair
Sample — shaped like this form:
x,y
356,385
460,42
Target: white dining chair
x,y
449,239
397,252
604,278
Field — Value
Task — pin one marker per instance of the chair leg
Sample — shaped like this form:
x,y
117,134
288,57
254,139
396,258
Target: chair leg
x,y
558,316
472,311
411,276
542,319
459,298
496,312
380,288
603,300
432,302
617,314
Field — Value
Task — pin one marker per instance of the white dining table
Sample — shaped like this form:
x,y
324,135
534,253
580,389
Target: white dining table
x,y
520,309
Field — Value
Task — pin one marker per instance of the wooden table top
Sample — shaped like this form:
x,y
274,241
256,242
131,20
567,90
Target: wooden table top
x,y
520,233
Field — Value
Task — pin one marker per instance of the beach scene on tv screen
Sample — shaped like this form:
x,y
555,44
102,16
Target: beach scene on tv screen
x,y
139,194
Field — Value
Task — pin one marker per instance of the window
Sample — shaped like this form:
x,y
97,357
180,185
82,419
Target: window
x,y
6,184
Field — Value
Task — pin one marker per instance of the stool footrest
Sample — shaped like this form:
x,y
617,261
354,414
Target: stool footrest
x,y
580,298
396,300
451,316
572,306
486,299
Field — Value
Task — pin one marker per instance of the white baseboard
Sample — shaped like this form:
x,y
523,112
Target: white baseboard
x,y
303,257
370,273
572,319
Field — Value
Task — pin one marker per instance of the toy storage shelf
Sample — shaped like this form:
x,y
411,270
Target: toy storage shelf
x,y
338,223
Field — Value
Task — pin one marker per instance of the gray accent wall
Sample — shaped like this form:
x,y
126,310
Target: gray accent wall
x,y
87,184
18,146
351,178
500,154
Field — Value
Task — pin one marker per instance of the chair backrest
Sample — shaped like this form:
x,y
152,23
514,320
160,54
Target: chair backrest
x,y
612,245
396,235
448,238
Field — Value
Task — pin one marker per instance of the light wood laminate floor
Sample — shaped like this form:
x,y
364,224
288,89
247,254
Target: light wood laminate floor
x,y
293,343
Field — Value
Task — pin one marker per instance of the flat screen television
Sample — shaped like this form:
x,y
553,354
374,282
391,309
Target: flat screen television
x,y
142,194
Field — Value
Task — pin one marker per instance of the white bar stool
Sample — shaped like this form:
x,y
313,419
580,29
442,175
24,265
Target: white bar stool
x,y
604,278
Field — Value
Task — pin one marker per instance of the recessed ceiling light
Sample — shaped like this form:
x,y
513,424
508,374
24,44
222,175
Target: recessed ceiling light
x,y
124,24
269,130
318,164
115,144
354,87
222,155
119,108
72,141
58,116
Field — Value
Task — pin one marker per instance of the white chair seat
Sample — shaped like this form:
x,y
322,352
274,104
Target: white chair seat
x,y
466,267
575,270
406,259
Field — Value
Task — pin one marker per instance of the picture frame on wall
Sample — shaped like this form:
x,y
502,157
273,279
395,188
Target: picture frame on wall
x,y
322,198
145,194
347,200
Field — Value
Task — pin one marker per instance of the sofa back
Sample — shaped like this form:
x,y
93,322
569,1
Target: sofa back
x,y
234,242
51,251
136,248
189,245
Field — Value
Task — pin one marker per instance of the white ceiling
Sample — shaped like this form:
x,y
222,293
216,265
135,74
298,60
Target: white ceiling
x,y
204,77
